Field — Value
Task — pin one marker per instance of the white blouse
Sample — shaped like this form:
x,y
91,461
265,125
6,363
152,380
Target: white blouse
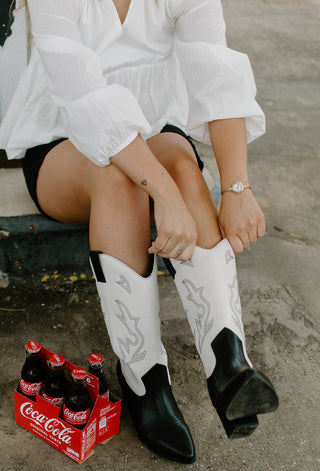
x,y
101,83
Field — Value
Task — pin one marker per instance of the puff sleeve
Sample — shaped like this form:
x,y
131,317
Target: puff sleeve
x,y
99,119
219,80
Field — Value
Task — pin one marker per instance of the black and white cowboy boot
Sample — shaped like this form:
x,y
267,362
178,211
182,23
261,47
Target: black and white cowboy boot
x,y
208,287
130,304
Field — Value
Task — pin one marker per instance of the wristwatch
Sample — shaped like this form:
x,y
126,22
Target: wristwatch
x,y
237,188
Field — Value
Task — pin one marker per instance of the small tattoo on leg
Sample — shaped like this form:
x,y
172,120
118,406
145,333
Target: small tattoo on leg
x,y
144,182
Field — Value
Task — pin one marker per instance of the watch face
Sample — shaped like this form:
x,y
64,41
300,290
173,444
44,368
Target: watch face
x,y
237,187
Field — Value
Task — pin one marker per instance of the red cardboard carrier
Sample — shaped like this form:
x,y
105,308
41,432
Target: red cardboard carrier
x,y
42,418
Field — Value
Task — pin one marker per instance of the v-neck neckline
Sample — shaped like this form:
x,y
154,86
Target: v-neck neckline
x,y
127,15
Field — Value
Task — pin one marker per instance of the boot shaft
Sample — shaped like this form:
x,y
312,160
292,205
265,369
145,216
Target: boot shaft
x,y
208,287
130,304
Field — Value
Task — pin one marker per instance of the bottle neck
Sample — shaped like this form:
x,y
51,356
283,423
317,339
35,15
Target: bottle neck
x,y
95,368
56,371
79,383
32,356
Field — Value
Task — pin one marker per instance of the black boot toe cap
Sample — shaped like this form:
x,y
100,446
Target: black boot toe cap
x,y
157,418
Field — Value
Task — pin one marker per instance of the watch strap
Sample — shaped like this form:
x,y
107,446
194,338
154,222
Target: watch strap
x,y
233,189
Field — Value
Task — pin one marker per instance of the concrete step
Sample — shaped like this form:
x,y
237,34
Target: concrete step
x,y
34,248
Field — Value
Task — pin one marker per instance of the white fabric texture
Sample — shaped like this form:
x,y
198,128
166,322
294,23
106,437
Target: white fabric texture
x,y
101,83
130,304
208,288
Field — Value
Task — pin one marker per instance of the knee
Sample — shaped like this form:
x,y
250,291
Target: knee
x,y
111,183
185,171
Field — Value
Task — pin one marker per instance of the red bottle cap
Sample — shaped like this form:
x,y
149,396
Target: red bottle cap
x,y
33,347
95,359
56,360
79,374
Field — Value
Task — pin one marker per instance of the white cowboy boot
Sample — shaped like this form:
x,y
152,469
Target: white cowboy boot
x,y
208,287
130,304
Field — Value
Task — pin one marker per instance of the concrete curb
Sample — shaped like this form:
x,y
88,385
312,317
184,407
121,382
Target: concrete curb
x,y
36,249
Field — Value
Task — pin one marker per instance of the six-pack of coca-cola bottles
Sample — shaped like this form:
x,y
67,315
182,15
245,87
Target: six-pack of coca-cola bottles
x,y
56,388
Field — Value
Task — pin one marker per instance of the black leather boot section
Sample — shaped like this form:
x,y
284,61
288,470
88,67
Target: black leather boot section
x,y
236,390
157,418
238,428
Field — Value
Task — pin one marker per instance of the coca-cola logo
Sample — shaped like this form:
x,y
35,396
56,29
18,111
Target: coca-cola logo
x,y
31,389
57,401
104,410
53,426
77,418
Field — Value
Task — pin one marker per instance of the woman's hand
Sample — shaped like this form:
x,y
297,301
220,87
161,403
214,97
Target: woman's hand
x,y
241,219
177,233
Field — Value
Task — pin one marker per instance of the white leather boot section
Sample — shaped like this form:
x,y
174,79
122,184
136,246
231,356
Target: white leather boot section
x,y
130,304
208,287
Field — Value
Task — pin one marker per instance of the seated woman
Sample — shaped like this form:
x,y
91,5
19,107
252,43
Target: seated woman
x,y
103,115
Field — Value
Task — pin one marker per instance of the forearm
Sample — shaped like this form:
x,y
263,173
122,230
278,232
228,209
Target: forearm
x,y
141,166
176,229
229,143
240,218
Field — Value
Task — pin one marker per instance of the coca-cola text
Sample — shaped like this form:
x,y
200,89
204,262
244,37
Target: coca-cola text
x,y
76,418
53,426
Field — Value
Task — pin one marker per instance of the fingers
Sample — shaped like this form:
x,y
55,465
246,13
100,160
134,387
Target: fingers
x,y
261,228
241,221
240,242
252,235
174,247
237,244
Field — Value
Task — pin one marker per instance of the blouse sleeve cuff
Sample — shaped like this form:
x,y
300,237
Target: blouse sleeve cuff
x,y
104,122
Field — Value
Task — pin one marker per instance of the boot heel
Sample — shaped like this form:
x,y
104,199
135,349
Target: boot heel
x,y
250,394
238,428
235,388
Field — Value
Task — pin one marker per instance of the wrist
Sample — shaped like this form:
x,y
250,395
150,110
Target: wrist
x,y
237,187
166,190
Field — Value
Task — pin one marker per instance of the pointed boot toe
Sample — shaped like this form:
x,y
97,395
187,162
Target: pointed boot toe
x,y
157,418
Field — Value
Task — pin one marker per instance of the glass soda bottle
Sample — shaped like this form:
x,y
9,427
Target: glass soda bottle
x,y
32,374
77,406
55,385
96,368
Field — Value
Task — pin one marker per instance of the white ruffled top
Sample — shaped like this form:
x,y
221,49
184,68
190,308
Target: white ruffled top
x,y
101,83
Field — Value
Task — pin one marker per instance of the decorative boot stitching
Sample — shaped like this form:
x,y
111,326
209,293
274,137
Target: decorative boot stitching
x,y
131,346
235,304
228,256
124,283
187,263
203,319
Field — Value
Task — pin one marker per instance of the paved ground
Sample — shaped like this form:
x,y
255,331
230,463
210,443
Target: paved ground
x,y
279,281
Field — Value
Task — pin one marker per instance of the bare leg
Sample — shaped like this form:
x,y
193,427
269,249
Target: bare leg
x,y
177,156
72,189
237,390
